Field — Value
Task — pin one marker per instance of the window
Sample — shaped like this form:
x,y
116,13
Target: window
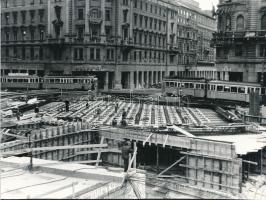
x,y
41,53
135,19
32,14
80,14
135,3
125,56
32,31
110,54
32,53
80,33
32,2
24,33
92,53
238,50
15,52
240,23
172,59
125,16
263,22
125,2
108,15
23,17
41,34
15,17
23,53
78,54
7,16
7,52
7,36
98,53
228,23
262,51
41,15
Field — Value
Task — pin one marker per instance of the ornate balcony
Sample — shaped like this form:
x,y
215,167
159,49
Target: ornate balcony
x,y
228,38
173,49
95,16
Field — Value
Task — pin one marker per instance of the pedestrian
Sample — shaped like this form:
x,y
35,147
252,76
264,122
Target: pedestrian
x,y
36,110
87,105
126,150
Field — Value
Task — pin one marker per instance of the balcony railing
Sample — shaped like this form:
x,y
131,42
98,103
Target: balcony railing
x,y
240,35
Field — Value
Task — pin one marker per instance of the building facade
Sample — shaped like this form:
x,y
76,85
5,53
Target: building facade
x,y
127,44
240,41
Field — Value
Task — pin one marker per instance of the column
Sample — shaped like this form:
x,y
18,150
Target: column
x,y
156,77
118,85
152,79
132,85
49,17
137,79
142,79
147,79
103,21
226,77
87,30
106,81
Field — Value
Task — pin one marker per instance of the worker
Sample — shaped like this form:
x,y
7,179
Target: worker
x,y
67,106
18,115
87,105
36,110
124,114
126,150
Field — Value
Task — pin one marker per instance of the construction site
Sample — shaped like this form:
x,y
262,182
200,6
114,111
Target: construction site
x,y
83,146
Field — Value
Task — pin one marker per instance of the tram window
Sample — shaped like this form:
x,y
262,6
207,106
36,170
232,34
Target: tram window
x,y
178,85
257,90
172,84
202,86
191,85
212,87
36,80
209,87
227,89
15,80
197,86
263,91
52,80
175,84
20,80
57,80
9,80
186,85
182,85
25,80
234,89
250,90
241,90
75,80
220,88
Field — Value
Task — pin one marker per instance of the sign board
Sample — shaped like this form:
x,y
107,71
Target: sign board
x,y
18,74
95,68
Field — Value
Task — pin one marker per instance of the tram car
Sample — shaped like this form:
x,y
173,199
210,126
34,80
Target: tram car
x,y
20,81
70,82
25,81
202,88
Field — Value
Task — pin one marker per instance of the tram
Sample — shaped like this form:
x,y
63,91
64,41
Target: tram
x,y
202,88
20,81
25,81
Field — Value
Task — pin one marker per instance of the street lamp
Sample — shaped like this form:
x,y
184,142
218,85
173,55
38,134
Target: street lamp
x,y
179,96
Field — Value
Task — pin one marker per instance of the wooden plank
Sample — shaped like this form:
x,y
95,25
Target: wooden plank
x,y
132,159
172,165
84,162
96,151
147,139
99,152
16,136
27,150
165,141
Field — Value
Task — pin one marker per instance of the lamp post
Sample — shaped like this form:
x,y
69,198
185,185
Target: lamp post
x,y
179,96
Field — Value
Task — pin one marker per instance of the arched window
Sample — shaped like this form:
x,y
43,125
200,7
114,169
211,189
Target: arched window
x,y
228,23
240,23
220,23
263,22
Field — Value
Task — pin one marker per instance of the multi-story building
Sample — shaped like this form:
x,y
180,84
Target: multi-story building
x,y
125,43
240,40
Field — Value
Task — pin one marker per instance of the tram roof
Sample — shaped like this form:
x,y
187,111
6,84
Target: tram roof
x,y
51,76
202,80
